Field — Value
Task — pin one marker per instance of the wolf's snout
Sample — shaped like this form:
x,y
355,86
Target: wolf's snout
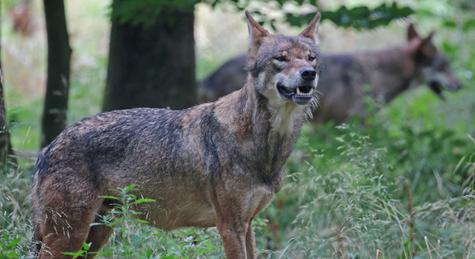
x,y
308,74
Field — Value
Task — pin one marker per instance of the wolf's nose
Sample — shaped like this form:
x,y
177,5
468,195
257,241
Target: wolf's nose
x,y
308,74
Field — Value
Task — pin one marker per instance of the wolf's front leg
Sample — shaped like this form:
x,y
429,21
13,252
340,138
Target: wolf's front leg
x,y
234,238
250,242
232,223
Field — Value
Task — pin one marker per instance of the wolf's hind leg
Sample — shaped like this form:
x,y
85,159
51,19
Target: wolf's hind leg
x,y
98,233
64,231
98,237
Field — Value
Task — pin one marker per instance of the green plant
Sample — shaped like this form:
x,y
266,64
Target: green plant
x,y
81,252
8,245
354,206
134,237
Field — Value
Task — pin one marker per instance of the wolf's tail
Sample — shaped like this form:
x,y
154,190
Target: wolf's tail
x,y
35,245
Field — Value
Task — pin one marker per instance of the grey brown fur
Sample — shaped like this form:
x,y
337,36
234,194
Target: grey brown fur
x,y
216,164
347,78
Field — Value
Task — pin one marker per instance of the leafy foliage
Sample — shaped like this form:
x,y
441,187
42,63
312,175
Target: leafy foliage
x,y
144,12
358,17
8,245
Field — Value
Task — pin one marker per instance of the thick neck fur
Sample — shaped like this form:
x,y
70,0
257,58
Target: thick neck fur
x,y
389,72
266,132
250,106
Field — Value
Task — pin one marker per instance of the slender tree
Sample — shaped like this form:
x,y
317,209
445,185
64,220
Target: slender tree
x,y
151,65
57,86
6,150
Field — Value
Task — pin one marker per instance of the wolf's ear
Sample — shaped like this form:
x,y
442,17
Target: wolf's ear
x,y
424,48
429,37
312,28
411,32
256,31
427,47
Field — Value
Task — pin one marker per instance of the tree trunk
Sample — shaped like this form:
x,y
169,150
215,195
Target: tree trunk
x,y
153,65
6,150
57,86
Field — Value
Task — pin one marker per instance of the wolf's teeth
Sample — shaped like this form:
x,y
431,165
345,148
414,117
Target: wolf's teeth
x,y
298,90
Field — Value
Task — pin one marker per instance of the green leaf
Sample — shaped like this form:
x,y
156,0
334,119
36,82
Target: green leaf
x,y
109,197
143,200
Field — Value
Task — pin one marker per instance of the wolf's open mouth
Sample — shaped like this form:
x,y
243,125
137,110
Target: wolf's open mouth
x,y
299,95
437,89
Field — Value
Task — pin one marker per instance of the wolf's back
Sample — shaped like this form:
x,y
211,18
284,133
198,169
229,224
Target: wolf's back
x,y
228,78
129,140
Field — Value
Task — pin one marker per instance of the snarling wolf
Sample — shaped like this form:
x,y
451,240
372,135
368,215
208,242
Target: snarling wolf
x,y
348,78
216,164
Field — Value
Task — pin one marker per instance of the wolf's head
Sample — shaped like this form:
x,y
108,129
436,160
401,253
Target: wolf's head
x,y
284,69
433,65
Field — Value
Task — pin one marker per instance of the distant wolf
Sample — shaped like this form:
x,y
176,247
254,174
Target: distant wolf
x,y
348,78
215,164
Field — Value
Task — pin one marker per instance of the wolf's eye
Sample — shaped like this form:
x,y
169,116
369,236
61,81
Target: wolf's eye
x,y
281,58
311,57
